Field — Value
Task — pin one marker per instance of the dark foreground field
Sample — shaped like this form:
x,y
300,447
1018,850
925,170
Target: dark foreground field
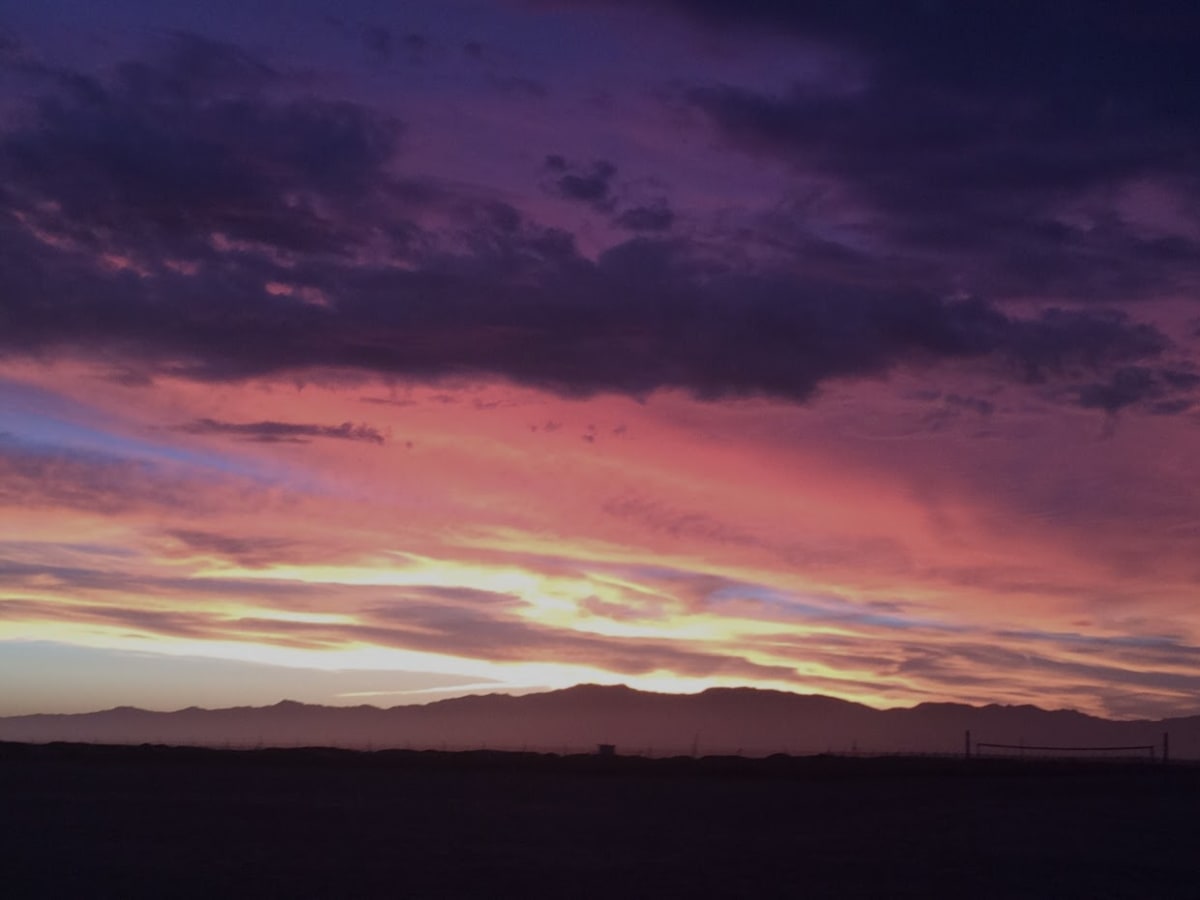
x,y
79,821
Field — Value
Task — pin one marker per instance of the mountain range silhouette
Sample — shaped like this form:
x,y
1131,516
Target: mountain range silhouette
x,y
745,721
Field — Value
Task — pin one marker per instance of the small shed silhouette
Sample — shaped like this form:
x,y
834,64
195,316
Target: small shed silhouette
x,y
606,749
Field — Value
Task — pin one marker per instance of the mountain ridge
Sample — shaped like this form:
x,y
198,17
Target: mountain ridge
x,y
729,720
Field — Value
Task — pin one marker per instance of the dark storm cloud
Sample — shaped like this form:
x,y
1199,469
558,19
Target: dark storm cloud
x,y
171,152
587,184
992,133
1134,385
174,216
1014,194
284,432
1136,56
658,217
949,409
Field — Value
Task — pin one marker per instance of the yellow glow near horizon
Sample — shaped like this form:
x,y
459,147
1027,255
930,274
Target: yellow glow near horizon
x,y
417,572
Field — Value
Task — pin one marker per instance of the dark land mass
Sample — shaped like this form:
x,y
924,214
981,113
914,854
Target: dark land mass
x,y
156,821
728,721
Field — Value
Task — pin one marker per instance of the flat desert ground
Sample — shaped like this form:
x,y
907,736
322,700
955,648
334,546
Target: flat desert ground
x,y
152,822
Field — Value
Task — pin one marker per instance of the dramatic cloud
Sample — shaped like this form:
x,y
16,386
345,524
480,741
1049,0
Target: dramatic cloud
x,y
187,217
1014,215
1004,136
647,218
284,432
591,185
169,155
823,347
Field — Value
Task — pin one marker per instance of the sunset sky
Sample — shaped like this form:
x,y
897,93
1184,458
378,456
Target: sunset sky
x,y
376,352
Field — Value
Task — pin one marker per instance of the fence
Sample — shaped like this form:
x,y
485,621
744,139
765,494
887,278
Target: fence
x,y
1070,752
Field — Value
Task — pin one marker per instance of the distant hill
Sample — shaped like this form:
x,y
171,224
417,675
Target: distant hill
x,y
717,721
